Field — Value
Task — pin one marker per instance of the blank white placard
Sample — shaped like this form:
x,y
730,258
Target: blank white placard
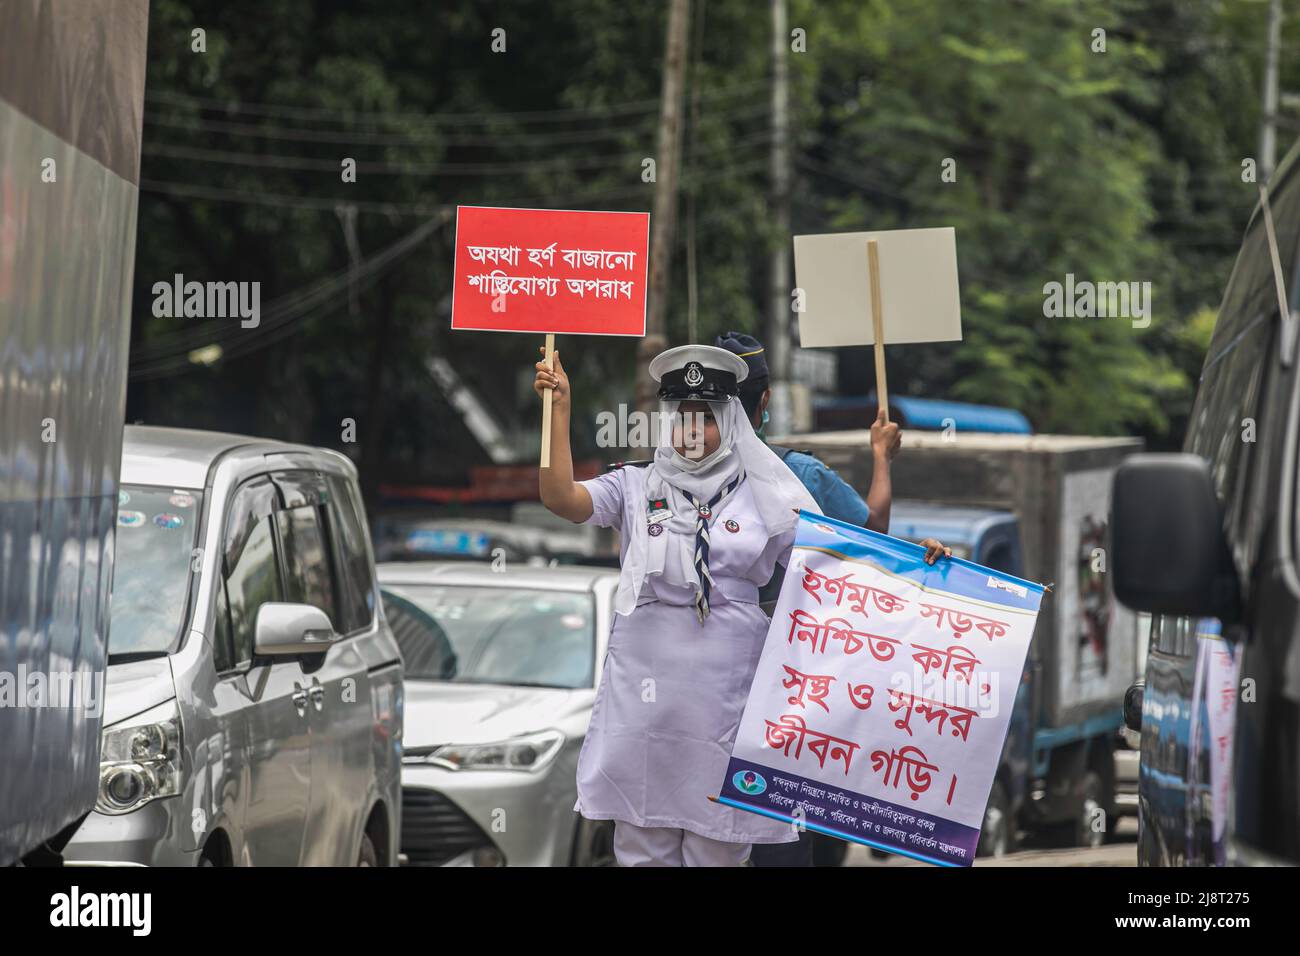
x,y
918,282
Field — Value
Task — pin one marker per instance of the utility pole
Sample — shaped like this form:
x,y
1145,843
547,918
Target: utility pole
x,y
347,213
663,218
778,332
1268,122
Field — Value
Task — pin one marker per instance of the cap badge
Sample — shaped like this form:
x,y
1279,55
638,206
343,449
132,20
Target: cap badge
x,y
694,374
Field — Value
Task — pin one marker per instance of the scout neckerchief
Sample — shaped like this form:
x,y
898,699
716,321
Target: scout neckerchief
x,y
703,512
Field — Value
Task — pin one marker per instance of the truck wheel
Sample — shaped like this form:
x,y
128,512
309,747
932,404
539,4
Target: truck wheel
x,y
998,832
1092,802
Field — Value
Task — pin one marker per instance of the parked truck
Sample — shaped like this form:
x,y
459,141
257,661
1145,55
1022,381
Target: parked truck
x,y
1035,506
71,111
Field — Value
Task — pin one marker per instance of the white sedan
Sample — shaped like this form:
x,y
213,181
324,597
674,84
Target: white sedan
x,y
501,670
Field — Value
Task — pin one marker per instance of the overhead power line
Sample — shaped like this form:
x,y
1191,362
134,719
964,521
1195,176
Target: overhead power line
x,y
605,131
602,112
556,164
327,203
171,353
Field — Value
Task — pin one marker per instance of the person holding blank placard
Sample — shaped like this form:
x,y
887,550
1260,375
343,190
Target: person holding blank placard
x,y
702,526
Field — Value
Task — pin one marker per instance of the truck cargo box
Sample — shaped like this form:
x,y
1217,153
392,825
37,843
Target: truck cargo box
x,y
1059,488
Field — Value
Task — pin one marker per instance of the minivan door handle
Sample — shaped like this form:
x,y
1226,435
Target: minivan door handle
x,y
300,699
317,694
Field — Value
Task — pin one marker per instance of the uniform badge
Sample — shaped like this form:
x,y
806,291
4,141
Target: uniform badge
x,y
655,530
705,511
731,525
658,510
694,374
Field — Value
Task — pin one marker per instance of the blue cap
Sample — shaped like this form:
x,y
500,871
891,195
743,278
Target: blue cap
x,y
748,348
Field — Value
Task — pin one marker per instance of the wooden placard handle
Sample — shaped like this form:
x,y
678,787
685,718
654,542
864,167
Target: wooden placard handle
x,y
546,403
878,326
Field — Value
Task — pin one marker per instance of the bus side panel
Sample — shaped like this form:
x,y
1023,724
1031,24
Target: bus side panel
x,y
71,101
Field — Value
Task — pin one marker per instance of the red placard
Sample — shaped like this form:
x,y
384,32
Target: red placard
x,y
550,270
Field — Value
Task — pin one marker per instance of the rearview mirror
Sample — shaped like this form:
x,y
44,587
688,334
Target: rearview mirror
x,y
1170,553
291,629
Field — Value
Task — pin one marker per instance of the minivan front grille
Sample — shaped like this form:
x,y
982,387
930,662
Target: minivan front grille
x,y
435,830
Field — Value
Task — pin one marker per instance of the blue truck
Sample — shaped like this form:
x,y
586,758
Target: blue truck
x,y
1021,797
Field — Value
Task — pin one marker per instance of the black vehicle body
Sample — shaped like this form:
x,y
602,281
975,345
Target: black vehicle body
x,y
1207,541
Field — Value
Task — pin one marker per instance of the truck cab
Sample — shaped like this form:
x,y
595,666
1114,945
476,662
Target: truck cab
x,y
991,538
1048,776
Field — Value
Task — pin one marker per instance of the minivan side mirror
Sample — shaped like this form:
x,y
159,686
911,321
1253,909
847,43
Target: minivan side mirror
x,y
291,629
1170,553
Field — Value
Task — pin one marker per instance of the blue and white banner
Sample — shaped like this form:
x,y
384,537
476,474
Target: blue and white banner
x,y
882,698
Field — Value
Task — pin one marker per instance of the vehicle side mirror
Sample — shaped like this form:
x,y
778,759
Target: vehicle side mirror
x,y
291,629
1133,706
1170,553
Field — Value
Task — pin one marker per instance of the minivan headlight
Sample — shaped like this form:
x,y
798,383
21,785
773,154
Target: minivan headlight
x,y
140,760
529,753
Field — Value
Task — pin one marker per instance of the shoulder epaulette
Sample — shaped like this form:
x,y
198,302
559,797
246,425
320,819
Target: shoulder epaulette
x,y
640,463
783,452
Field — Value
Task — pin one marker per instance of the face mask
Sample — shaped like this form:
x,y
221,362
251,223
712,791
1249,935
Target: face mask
x,y
708,461
762,428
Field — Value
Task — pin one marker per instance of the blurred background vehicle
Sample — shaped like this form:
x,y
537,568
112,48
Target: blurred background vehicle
x,y
452,540
72,78
501,672
254,690
912,412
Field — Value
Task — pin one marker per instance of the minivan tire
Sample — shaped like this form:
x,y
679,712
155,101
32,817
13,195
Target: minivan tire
x,y
367,856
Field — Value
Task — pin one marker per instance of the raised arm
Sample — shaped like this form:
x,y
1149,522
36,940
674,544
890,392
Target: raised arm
x,y
559,492
885,442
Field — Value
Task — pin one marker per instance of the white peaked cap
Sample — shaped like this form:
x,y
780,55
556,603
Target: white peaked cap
x,y
709,356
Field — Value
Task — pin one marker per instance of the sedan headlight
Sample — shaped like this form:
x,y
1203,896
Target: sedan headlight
x,y
140,761
529,753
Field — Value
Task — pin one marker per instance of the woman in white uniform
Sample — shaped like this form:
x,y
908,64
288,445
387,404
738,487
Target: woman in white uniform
x,y
701,529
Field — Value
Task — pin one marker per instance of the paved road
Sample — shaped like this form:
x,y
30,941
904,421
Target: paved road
x,y
1121,853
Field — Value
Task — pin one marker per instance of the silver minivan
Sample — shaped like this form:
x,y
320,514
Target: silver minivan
x,y
253,708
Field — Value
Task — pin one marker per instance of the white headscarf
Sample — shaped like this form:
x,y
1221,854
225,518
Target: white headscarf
x,y
775,490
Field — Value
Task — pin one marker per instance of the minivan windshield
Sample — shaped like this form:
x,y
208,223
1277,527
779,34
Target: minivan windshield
x,y
156,531
493,635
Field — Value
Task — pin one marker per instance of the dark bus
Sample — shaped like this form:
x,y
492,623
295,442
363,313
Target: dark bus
x,y
71,110
1206,540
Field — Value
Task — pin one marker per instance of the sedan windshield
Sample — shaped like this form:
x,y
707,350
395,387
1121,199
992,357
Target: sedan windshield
x,y
156,530
493,635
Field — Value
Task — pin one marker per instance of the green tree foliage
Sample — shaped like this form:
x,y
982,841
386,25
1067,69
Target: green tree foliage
x,y
1115,166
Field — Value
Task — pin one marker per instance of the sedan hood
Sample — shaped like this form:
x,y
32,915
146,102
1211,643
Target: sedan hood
x,y
135,687
448,713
